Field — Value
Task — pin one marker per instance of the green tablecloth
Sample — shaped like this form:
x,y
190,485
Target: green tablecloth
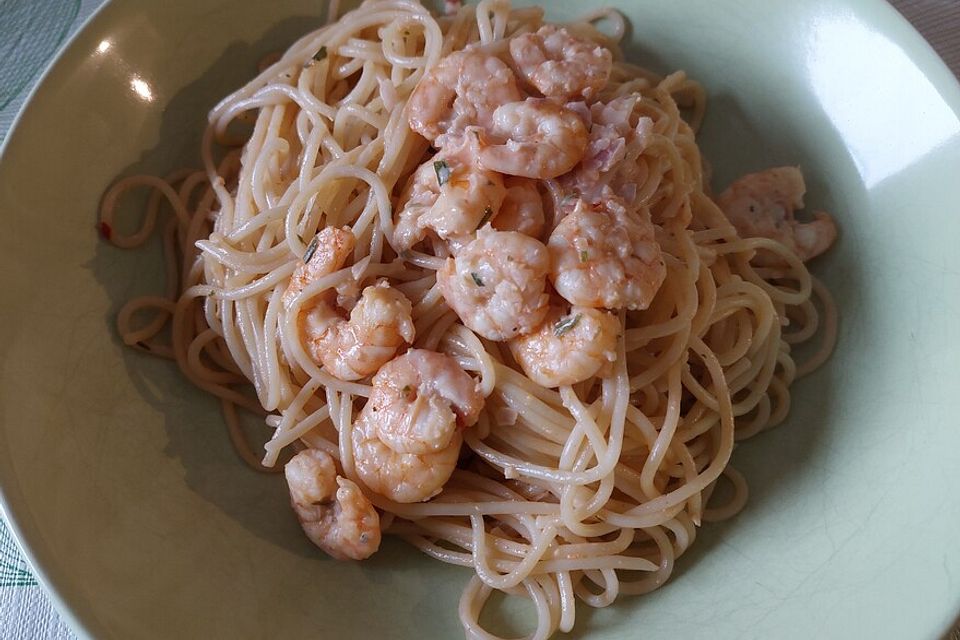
x,y
31,32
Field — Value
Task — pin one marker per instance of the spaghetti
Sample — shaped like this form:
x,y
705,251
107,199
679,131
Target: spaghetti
x,y
581,492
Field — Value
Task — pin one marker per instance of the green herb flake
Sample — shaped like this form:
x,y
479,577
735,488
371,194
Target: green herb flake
x,y
476,279
321,54
443,171
564,325
311,249
584,256
487,214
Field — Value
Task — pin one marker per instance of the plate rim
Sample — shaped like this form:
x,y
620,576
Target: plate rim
x,y
82,618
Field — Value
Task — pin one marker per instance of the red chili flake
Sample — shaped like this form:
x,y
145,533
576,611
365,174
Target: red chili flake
x,y
105,231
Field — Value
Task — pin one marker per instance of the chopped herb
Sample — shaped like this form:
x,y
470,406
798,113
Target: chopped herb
x,y
443,172
584,256
565,324
476,279
487,214
321,54
105,231
311,249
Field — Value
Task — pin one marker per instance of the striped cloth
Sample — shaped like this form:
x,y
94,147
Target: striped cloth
x,y
30,32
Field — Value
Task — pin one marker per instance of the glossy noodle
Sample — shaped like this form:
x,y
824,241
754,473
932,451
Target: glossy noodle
x,y
597,413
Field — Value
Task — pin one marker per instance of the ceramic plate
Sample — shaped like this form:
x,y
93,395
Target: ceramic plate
x,y
119,480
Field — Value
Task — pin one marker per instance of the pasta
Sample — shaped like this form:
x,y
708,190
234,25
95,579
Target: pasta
x,y
567,486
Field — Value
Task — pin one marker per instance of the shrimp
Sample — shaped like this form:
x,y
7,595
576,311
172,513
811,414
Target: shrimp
x,y
496,283
569,346
451,195
605,256
762,204
406,440
522,208
461,90
561,65
332,510
541,139
420,397
379,325
327,253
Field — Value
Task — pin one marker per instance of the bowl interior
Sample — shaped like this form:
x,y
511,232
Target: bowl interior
x,y
120,480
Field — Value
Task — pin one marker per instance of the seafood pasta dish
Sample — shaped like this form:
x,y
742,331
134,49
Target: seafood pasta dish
x,y
467,272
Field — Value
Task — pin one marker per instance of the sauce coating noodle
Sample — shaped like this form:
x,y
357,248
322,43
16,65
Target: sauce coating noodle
x,y
582,491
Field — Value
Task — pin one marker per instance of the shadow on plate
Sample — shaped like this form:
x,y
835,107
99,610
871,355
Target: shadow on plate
x,y
196,432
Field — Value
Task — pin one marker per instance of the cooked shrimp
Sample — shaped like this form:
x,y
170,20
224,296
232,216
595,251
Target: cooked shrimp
x,y
420,397
327,253
541,139
468,196
460,91
496,284
561,65
332,510
762,204
605,256
522,208
569,346
379,324
405,441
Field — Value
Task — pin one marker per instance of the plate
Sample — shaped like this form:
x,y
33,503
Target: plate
x,y
119,480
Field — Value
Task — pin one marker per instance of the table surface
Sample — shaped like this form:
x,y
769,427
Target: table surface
x,y
31,32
